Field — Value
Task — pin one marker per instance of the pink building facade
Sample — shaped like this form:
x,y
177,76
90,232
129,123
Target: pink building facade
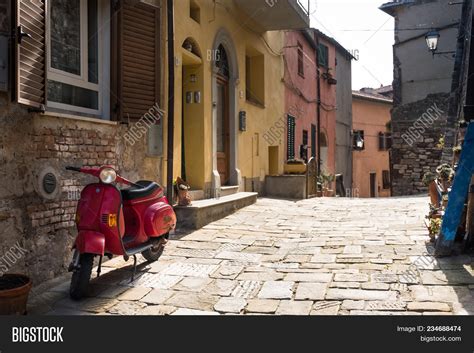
x,y
310,99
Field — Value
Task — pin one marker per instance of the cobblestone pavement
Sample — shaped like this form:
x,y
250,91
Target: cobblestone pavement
x,y
328,256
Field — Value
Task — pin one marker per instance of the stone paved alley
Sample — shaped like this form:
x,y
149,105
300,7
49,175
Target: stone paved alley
x,y
322,257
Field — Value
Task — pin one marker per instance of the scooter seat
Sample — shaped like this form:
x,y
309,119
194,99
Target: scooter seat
x,y
147,188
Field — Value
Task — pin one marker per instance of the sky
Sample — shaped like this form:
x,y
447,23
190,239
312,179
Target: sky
x,y
363,30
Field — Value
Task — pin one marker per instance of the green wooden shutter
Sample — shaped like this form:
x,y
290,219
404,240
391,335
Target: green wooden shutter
x,y
291,137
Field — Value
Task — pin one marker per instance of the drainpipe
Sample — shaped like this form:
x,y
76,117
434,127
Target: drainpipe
x,y
171,78
319,106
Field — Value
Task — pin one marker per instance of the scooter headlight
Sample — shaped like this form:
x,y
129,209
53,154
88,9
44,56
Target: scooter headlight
x,y
108,175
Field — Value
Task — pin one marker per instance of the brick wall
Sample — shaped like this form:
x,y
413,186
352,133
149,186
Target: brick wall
x,y
30,146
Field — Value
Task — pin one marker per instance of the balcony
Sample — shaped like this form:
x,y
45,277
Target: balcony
x,y
272,15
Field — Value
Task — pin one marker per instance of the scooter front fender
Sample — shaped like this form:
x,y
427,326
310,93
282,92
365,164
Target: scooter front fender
x,y
90,242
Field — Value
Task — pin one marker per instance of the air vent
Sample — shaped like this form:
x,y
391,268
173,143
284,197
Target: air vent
x,y
49,183
105,218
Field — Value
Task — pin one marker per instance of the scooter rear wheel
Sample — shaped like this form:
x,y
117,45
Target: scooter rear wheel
x,y
81,277
153,254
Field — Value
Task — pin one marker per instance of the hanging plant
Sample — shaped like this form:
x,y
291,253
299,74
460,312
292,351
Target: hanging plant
x,y
441,143
428,178
445,172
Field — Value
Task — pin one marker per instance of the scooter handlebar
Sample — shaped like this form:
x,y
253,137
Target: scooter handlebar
x,y
73,169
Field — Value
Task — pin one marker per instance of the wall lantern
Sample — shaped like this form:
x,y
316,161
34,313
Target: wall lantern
x,y
432,40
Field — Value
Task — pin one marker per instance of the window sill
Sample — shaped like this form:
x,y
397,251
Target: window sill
x,y
79,118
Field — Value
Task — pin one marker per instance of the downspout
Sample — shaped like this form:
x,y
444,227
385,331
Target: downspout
x,y
171,84
318,111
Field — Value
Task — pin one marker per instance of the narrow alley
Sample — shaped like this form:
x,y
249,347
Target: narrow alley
x,y
329,256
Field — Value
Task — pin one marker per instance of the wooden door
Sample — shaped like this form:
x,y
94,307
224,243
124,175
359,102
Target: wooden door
x,y
373,185
223,134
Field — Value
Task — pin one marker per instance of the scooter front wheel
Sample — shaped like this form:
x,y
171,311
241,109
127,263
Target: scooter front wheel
x,y
81,277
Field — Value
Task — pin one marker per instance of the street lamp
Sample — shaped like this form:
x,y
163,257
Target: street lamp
x,y
432,39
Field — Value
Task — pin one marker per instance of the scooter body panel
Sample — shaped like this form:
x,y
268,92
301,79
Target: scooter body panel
x,y
142,218
100,212
90,242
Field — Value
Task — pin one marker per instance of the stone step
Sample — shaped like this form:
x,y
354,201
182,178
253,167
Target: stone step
x,y
203,212
228,190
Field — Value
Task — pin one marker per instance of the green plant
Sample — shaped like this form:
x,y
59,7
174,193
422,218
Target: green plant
x,y
445,172
457,149
435,226
428,178
441,143
326,179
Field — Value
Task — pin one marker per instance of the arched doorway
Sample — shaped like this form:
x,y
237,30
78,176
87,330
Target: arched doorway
x,y
222,116
224,100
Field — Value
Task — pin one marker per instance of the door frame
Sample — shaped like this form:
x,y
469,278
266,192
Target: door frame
x,y
224,38
224,82
374,193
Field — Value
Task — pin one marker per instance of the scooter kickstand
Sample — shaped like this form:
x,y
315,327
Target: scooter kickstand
x,y
134,267
99,268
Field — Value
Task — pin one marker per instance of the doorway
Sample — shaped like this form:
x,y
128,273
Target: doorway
x,y
373,185
223,133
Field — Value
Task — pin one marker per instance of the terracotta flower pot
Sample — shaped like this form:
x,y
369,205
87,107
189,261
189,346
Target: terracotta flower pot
x,y
14,291
183,198
434,196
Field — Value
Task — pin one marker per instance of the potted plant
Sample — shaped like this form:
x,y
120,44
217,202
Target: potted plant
x,y
326,180
182,191
434,227
295,166
445,174
429,180
14,291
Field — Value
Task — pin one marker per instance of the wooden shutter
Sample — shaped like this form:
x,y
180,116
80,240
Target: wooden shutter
x,y
138,62
291,138
31,53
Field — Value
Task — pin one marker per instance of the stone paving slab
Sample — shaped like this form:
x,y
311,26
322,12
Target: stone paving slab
x,y
328,256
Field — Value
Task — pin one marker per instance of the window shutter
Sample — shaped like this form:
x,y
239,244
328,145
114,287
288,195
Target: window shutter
x,y
30,53
291,138
138,61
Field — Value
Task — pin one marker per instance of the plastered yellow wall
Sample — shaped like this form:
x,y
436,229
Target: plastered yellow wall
x,y
253,149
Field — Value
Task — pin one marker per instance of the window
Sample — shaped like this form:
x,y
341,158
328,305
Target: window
x,y
291,138
323,55
195,11
76,59
255,76
386,179
358,141
300,60
385,141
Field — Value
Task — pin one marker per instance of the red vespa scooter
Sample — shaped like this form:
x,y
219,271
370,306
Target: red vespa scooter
x,y
111,221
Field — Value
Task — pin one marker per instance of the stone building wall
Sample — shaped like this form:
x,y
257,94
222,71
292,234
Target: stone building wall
x,y
415,148
32,145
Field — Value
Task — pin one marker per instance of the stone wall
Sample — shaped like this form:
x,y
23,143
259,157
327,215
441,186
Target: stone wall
x,y
411,157
32,145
